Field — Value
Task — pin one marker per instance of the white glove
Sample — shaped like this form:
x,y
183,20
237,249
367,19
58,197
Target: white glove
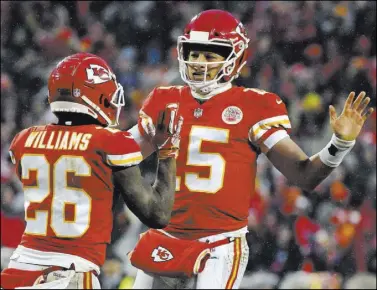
x,y
165,135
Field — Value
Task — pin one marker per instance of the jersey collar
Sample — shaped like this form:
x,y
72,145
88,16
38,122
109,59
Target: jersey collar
x,y
216,91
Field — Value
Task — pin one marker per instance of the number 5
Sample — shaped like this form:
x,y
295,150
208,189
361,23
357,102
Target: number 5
x,y
214,161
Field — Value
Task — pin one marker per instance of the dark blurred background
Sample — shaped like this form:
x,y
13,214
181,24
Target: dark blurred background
x,y
310,53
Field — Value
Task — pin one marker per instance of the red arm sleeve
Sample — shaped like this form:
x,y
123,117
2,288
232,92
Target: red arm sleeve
x,y
272,121
15,150
149,111
119,148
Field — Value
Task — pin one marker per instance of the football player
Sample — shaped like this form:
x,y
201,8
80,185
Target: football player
x,y
69,171
226,127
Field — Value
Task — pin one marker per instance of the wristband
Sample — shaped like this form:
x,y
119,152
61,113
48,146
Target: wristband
x,y
334,152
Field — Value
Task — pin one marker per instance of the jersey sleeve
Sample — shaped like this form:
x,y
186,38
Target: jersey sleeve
x,y
15,150
119,148
148,114
272,123
16,146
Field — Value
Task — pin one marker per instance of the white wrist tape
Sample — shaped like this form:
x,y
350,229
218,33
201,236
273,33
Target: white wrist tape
x,y
334,152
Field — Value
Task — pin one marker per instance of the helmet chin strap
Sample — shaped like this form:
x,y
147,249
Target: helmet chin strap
x,y
209,91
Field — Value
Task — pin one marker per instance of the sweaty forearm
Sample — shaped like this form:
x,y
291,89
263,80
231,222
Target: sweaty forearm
x,y
303,171
324,162
300,170
151,204
164,188
309,173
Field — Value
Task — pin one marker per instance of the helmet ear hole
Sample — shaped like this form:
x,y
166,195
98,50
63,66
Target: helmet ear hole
x,y
106,103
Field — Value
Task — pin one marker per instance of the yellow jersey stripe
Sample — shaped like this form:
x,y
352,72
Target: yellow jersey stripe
x,y
266,126
125,162
236,264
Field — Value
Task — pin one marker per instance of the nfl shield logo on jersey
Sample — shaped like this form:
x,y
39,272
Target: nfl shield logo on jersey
x,y
232,115
160,254
198,112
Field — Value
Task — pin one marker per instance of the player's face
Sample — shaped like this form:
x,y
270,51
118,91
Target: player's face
x,y
196,71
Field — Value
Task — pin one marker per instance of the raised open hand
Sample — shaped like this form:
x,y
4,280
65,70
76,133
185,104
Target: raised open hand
x,y
348,124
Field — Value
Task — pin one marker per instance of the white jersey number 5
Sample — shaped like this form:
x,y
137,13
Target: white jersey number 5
x,y
214,161
53,181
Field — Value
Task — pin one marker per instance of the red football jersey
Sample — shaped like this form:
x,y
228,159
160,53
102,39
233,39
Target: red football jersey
x,y
216,165
66,172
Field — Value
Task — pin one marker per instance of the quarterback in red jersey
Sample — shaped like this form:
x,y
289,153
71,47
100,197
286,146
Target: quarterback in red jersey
x,y
69,171
225,128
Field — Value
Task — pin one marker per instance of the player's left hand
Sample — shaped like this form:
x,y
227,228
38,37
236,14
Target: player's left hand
x,y
348,124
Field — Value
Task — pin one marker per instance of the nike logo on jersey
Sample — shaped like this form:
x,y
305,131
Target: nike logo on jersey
x,y
279,102
128,136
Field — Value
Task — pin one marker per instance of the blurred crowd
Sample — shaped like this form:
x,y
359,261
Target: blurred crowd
x,y
310,53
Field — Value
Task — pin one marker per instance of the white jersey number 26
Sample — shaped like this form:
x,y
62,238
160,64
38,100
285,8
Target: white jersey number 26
x,y
52,180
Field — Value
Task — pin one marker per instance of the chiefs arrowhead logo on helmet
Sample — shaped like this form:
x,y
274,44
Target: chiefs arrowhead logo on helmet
x,y
160,254
98,74
84,83
221,32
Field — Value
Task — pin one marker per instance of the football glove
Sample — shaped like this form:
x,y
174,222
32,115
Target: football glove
x,y
165,134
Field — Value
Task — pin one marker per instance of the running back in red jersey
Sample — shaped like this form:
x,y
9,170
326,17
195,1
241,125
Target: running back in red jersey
x,y
66,173
69,171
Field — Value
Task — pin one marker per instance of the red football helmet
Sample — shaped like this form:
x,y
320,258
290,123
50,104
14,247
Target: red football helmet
x,y
84,83
220,31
